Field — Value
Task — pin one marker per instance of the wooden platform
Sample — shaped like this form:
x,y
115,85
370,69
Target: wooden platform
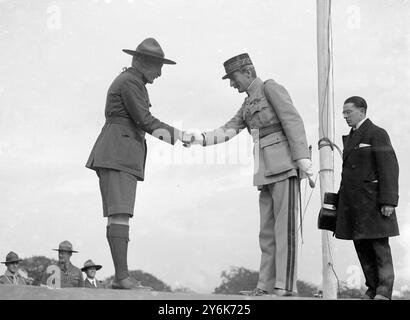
x,y
8,292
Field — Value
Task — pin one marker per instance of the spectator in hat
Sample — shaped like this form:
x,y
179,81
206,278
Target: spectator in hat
x,y
119,153
70,275
12,275
282,158
90,269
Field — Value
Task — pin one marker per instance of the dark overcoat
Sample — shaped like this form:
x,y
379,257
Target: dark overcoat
x,y
369,180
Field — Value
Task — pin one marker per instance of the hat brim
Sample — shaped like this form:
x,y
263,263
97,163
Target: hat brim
x,y
66,250
135,53
228,75
97,267
5,262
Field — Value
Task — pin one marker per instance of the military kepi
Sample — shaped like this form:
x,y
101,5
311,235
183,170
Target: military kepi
x,y
236,63
65,246
151,48
12,257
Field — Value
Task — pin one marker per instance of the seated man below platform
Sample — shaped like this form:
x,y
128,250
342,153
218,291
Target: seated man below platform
x,y
12,275
90,269
65,274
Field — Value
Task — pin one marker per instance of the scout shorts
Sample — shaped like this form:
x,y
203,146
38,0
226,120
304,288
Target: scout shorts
x,y
118,190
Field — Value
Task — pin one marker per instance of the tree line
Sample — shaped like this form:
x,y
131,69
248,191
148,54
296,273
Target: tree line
x,y
232,281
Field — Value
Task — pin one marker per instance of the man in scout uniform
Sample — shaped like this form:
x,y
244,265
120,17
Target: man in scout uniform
x,y
70,275
12,276
119,154
90,269
281,154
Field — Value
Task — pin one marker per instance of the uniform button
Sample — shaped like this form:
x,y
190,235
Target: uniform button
x,y
354,166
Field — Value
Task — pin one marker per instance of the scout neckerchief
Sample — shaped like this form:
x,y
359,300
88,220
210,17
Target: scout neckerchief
x,y
12,277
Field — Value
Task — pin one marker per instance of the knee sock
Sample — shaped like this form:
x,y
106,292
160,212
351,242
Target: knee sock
x,y
110,244
117,236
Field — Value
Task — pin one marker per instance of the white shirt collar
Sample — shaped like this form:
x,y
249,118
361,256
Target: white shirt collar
x,y
92,281
360,123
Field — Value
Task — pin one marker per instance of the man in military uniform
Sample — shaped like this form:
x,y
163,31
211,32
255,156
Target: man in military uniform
x,y
90,269
119,154
70,275
12,276
281,155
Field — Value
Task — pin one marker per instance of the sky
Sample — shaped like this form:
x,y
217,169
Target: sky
x,y
196,213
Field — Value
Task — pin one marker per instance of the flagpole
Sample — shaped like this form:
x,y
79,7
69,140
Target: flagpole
x,y
326,125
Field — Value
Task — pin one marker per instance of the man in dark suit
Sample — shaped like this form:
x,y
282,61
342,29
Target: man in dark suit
x,y
90,269
119,154
368,196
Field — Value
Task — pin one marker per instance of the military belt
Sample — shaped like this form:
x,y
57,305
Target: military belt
x,y
276,127
121,120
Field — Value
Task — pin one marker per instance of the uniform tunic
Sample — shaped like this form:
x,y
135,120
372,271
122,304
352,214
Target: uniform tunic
x,y
12,279
268,105
70,277
121,144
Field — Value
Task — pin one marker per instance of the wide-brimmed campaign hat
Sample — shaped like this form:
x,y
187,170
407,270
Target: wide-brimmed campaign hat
x,y
12,257
236,63
150,47
65,246
90,264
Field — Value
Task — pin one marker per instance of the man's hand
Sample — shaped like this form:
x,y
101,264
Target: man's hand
x,y
191,138
387,211
305,165
187,138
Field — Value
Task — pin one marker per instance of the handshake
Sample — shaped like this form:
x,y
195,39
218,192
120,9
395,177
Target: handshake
x,y
191,138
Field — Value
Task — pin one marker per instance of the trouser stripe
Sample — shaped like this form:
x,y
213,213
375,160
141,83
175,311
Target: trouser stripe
x,y
291,239
293,236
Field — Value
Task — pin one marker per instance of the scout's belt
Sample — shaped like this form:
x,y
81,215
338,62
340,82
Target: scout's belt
x,y
263,132
121,120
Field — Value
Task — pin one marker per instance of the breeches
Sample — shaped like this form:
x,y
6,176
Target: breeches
x,y
118,191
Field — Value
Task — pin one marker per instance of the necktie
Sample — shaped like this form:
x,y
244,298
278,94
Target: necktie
x,y
352,132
